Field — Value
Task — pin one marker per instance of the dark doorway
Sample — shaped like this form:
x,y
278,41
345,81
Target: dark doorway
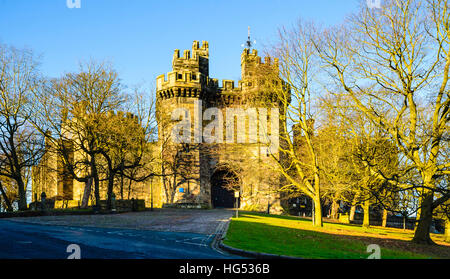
x,y
223,185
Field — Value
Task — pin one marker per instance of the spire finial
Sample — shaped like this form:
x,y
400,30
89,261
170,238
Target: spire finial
x,y
249,44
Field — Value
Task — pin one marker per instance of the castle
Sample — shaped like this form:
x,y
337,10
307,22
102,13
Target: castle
x,y
234,167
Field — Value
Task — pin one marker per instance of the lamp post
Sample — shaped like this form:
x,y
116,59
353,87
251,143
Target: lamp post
x,y
236,196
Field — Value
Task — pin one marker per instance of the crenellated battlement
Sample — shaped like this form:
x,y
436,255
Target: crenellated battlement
x,y
251,63
178,78
196,61
190,77
197,52
202,50
252,56
122,114
228,84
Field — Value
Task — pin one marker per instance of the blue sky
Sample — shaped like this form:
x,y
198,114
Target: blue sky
x,y
139,36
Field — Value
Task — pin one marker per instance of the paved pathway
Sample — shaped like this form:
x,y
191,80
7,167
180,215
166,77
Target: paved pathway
x,y
173,220
171,234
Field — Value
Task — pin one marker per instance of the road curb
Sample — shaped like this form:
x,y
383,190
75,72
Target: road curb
x,y
218,245
219,234
251,254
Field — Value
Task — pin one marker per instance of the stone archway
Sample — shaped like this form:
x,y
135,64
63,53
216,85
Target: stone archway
x,y
224,182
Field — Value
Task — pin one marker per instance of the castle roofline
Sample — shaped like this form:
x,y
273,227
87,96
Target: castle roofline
x,y
190,74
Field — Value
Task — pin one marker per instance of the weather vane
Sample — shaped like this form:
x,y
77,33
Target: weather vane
x,y
249,42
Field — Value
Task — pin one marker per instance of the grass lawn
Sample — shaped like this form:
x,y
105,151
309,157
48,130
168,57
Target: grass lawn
x,y
293,236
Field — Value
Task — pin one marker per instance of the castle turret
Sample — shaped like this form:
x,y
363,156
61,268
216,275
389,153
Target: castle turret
x,y
249,61
197,62
253,69
188,73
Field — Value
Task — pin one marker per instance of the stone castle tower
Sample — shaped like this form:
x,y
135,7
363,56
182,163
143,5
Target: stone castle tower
x,y
210,173
243,122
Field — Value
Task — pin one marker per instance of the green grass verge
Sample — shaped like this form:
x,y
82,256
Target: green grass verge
x,y
291,236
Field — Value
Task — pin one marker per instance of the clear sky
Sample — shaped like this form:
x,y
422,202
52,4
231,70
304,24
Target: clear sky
x,y
139,36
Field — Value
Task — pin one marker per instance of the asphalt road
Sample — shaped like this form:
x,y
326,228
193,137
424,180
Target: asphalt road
x,y
33,241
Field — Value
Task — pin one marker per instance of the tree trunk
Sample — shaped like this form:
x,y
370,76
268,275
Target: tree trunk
x,y
317,213
352,213
8,204
317,202
121,187
385,215
97,192
110,191
22,194
129,188
96,183
164,183
173,187
422,232
86,193
16,171
334,210
447,230
353,208
404,223
366,209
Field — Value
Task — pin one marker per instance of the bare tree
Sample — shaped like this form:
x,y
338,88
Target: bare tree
x,y
123,143
142,108
298,62
70,116
20,144
399,57
178,166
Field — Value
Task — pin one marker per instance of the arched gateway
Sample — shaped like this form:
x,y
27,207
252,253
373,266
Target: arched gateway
x,y
224,182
